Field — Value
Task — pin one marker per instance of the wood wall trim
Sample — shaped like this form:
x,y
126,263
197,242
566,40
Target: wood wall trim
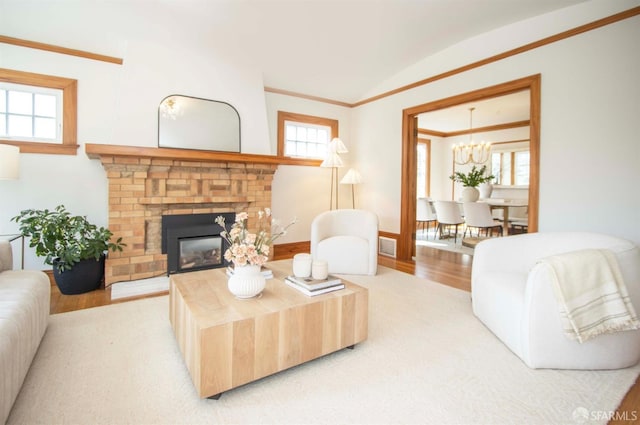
x,y
58,49
489,128
495,58
307,96
95,151
288,250
45,148
497,127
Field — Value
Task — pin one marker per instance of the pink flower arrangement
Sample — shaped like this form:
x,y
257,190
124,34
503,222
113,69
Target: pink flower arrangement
x,y
247,248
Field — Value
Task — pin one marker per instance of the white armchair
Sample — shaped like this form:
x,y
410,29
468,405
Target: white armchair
x,y
517,303
347,240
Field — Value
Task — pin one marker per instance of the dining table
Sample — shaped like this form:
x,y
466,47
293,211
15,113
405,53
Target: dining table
x,y
504,205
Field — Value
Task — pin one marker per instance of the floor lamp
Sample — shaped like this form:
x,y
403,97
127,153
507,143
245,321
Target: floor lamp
x,y
333,161
9,162
336,146
10,170
353,178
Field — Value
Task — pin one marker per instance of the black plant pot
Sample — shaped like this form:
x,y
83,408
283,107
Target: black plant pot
x,y
85,276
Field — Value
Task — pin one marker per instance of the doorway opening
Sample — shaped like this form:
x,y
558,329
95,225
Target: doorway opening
x,y
406,242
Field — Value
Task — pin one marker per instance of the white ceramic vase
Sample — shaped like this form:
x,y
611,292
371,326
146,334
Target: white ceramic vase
x,y
470,194
246,281
486,189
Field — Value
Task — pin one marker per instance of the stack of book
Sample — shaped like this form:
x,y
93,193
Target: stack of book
x,y
267,273
312,287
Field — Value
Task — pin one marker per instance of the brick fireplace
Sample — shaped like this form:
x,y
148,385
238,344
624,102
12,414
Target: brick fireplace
x,y
147,183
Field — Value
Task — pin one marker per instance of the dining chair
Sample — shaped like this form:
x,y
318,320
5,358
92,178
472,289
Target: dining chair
x,y
425,214
519,221
448,214
478,215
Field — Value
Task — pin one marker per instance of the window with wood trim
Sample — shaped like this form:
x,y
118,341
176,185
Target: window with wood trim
x,y
510,168
423,169
38,112
304,136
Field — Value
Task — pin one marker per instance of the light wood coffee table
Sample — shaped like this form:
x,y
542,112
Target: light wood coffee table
x,y
227,342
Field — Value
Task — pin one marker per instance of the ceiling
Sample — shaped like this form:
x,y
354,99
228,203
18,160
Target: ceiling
x,y
342,49
498,110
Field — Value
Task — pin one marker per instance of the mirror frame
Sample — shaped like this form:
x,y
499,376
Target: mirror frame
x,y
186,145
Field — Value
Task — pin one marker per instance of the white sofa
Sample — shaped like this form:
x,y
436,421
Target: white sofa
x,y
516,301
347,240
24,315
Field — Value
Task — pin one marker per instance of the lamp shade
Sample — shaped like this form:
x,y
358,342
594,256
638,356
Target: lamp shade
x,y
352,177
9,162
332,160
336,145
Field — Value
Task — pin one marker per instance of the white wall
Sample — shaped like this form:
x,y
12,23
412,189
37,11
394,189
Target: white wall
x,y
589,123
117,104
589,128
304,191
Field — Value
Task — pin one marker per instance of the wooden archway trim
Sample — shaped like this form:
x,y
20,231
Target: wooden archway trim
x,y
406,244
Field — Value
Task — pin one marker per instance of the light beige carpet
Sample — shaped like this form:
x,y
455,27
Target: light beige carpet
x,y
446,245
427,361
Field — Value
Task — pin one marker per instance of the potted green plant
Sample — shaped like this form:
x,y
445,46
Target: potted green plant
x,y
71,244
471,180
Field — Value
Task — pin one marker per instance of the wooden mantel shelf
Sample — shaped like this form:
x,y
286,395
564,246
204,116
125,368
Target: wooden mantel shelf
x,y
95,151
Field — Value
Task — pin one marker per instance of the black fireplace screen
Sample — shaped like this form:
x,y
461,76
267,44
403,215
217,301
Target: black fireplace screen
x,y
199,252
193,242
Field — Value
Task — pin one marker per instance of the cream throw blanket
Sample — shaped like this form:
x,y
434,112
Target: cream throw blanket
x,y
591,294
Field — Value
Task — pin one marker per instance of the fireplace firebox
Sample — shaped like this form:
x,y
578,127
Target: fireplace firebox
x,y
193,242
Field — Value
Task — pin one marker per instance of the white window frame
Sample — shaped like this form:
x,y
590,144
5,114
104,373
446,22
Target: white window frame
x,y
69,87
5,113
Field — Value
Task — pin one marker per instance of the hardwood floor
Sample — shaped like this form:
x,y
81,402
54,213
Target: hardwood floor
x,y
449,268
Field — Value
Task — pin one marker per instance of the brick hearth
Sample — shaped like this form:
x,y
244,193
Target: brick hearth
x,y
143,189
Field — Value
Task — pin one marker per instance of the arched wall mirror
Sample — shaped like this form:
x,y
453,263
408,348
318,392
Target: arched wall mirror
x,y
192,123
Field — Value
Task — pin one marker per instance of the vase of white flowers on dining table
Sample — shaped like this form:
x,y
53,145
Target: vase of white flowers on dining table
x,y
249,252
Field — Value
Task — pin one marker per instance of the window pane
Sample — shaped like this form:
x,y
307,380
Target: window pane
x,y
20,126
321,151
312,134
291,132
3,124
290,148
20,102
45,128
495,168
421,189
312,149
506,169
522,168
3,101
301,135
323,135
301,149
45,105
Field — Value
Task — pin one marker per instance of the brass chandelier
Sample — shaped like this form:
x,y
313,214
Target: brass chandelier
x,y
471,153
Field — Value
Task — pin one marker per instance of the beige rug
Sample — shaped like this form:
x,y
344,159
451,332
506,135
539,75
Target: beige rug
x,y
446,245
427,361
